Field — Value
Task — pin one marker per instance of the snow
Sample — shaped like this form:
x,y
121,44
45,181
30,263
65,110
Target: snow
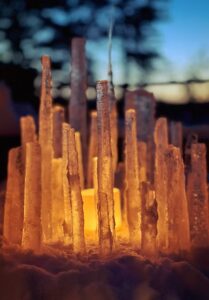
x,y
59,274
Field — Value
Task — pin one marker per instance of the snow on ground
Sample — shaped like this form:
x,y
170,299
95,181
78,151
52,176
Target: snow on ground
x,y
61,275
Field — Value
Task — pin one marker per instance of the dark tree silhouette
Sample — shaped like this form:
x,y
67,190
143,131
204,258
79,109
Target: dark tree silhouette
x,y
28,28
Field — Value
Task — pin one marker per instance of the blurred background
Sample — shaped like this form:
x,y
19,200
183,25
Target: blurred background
x,y
161,45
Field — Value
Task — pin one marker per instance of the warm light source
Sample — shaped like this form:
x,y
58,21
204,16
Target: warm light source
x,y
58,192
90,209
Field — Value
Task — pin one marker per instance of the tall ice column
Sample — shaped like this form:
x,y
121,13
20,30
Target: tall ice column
x,y
198,197
46,142
161,144
76,198
13,210
133,197
32,232
178,214
105,174
66,184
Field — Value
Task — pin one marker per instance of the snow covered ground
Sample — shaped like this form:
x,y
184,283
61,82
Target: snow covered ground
x,y
62,275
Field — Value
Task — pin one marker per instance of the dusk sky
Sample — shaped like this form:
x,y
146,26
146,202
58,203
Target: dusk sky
x,y
184,37
181,39
183,42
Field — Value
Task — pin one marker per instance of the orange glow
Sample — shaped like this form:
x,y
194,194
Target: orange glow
x,y
90,209
59,193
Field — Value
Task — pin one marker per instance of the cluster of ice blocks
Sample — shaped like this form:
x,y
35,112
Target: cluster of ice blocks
x,y
61,180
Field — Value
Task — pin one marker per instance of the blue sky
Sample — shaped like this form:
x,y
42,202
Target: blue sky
x,y
183,42
185,37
